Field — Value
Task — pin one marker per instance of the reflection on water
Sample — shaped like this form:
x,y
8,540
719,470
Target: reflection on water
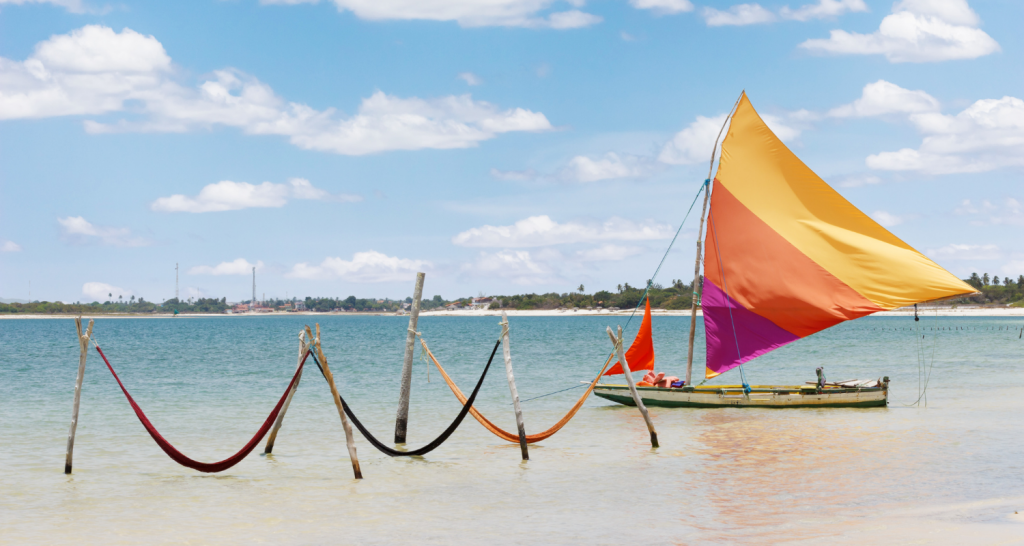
x,y
722,476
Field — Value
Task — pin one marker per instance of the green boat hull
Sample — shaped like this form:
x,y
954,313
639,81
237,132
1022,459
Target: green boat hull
x,y
760,398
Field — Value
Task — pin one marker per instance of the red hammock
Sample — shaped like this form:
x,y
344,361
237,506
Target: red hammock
x,y
180,457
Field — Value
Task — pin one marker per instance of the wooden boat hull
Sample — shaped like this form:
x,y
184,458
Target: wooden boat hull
x,y
760,397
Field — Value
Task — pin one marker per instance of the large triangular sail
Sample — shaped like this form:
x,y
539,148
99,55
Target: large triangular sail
x,y
787,256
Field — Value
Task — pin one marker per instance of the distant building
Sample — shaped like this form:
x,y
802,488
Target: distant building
x,y
300,306
454,306
481,303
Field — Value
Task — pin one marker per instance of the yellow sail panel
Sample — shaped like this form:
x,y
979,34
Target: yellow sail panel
x,y
769,180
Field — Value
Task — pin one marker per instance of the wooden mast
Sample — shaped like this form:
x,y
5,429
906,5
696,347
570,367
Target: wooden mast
x,y
700,231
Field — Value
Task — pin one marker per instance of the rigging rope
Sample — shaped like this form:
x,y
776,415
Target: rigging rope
x,y
466,407
669,249
180,457
498,431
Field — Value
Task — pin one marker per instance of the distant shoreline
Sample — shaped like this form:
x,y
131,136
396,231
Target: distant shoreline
x,y
924,312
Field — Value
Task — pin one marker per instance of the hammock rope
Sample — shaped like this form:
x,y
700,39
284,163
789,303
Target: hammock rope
x,y
183,459
467,406
495,429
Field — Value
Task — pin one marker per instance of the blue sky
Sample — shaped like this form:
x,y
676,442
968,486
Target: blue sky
x,y
505,146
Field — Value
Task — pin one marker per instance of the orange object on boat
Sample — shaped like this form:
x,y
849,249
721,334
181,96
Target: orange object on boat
x,y
640,355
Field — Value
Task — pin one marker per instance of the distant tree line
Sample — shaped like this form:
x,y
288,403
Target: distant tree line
x,y
995,290
132,306
677,295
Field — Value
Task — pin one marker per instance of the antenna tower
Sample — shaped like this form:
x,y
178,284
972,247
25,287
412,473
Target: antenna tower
x,y
253,306
176,282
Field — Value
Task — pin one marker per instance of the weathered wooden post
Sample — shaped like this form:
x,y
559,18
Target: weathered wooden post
x,y
512,385
303,347
83,349
337,402
402,421
632,386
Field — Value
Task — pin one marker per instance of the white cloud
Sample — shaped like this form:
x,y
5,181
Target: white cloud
x,y
887,219
985,136
467,13
608,253
543,231
611,165
568,19
100,291
882,98
822,10
916,31
470,78
228,195
366,267
857,181
1010,212
693,144
952,11
965,252
74,6
9,246
663,6
236,267
79,230
518,266
528,174
738,15
95,70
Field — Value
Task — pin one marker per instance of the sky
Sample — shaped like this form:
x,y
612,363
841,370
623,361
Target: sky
x,y
501,146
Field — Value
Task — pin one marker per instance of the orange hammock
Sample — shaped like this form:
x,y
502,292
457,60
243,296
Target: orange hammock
x,y
504,434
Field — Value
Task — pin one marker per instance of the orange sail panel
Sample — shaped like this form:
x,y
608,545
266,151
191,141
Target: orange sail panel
x,y
787,256
640,355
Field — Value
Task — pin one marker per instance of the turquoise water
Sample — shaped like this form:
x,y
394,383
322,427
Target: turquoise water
x,y
949,473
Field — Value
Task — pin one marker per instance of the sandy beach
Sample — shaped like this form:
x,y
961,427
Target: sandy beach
x,y
907,311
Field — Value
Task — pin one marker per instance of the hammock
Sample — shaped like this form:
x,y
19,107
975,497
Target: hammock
x,y
498,431
466,407
180,457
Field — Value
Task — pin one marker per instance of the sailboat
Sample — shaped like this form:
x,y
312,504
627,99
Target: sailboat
x,y
785,256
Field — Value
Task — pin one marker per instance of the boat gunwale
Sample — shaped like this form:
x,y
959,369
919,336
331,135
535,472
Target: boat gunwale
x,y
736,401
804,390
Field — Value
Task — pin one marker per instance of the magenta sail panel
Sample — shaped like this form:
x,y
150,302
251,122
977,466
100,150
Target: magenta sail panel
x,y
757,335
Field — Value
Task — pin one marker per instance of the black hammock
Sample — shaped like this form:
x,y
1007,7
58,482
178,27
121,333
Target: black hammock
x,y
437,441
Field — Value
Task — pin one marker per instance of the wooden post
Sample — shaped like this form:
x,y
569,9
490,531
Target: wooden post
x,y
632,386
83,349
337,402
303,347
696,288
512,385
700,230
402,421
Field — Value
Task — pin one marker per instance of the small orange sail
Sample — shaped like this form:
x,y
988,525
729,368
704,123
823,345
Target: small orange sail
x,y
640,355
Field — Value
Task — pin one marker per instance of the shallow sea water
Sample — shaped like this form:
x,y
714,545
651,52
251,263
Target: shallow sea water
x,y
948,473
